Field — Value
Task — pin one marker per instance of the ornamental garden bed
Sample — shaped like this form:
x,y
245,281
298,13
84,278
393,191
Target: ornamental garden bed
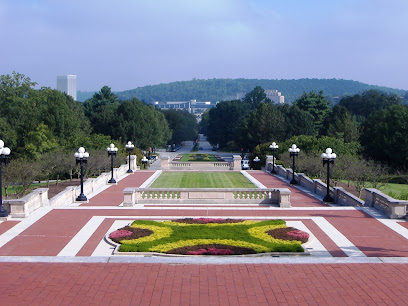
x,y
208,237
199,157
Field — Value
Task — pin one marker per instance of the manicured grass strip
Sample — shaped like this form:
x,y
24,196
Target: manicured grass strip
x,y
198,158
202,180
172,235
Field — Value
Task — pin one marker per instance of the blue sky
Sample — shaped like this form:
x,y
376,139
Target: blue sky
x,y
129,43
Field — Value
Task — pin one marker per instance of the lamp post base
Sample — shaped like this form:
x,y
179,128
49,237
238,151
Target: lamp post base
x,y
81,198
293,182
328,198
112,181
273,171
3,212
129,171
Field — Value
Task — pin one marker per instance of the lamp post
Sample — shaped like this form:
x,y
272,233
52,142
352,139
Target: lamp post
x,y
81,158
112,150
274,147
256,161
293,151
144,161
129,147
4,153
328,158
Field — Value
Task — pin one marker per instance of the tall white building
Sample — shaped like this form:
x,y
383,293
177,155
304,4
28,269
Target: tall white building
x,y
67,84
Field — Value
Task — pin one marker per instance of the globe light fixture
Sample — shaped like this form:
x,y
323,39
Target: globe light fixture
x,y
293,151
328,158
81,158
274,147
112,151
129,148
4,154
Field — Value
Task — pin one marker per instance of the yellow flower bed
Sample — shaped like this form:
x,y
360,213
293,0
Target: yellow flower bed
x,y
158,233
260,232
169,246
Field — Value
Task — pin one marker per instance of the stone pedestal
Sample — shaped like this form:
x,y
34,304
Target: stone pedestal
x,y
237,162
133,164
164,159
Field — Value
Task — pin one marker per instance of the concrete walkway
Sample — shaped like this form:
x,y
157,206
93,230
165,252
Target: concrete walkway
x,y
58,256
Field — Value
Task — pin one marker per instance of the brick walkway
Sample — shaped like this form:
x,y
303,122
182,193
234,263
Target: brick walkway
x,y
162,284
77,232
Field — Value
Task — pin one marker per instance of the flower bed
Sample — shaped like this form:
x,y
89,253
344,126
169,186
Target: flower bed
x,y
205,236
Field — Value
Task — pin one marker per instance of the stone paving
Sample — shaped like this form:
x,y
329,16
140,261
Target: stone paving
x,y
58,256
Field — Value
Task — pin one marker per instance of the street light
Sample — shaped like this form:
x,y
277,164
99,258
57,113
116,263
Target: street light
x,y
256,161
112,150
293,151
328,158
274,147
144,161
4,153
81,158
129,147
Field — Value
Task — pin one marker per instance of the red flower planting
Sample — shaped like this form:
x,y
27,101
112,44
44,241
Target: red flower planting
x,y
211,251
298,234
120,234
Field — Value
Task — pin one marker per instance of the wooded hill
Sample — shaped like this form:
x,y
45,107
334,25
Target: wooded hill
x,y
228,89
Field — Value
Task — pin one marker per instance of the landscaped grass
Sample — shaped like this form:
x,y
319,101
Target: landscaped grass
x,y
209,237
202,180
397,191
197,157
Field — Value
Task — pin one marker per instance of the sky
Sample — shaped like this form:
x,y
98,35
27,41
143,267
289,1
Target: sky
x,y
125,44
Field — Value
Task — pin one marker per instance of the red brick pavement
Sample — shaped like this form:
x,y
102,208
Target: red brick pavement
x,y
297,197
49,235
113,196
163,284
6,225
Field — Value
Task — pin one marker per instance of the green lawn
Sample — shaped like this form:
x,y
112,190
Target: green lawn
x,y
197,157
397,191
202,180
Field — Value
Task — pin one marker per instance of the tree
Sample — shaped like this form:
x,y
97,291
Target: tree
x,y
340,124
297,121
255,97
263,124
361,106
224,121
384,136
316,105
183,125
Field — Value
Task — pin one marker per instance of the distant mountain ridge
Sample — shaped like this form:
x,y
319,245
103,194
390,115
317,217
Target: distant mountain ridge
x,y
226,89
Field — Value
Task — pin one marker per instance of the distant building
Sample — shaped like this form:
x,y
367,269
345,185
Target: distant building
x,y
275,96
67,84
192,106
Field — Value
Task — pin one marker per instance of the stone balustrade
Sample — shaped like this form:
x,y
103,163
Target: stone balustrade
x,y
393,208
21,208
273,196
235,165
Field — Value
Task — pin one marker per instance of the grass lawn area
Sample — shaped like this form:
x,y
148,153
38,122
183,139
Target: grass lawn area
x,y
209,237
198,158
397,191
202,180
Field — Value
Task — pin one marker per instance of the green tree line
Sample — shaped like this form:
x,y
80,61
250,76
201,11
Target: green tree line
x,y
227,89
44,127
372,125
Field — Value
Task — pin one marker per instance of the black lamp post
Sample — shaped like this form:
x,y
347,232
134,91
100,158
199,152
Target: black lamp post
x,y
256,161
144,161
328,158
129,147
4,153
81,158
293,151
274,147
112,150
